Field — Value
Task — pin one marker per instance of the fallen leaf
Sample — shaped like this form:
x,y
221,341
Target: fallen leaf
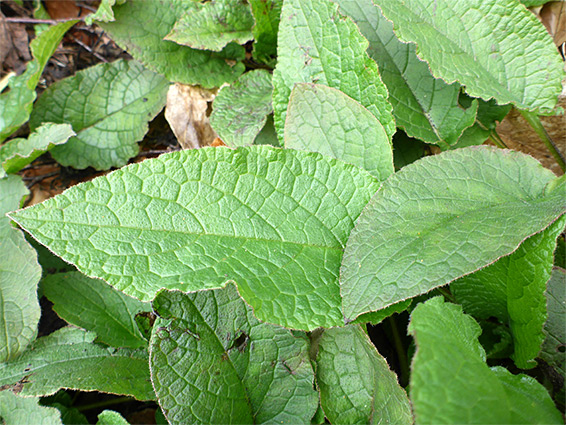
x,y
187,112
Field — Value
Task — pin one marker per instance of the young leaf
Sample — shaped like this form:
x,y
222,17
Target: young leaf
x,y
323,119
274,221
240,110
451,383
212,361
17,153
19,274
356,385
15,410
109,106
512,289
104,12
68,358
212,25
506,54
441,218
318,45
16,104
110,417
553,349
424,106
140,28
94,305
266,14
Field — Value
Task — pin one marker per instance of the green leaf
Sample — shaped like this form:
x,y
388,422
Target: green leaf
x,y
68,358
325,120
196,219
17,103
356,385
318,45
94,305
424,106
110,417
451,383
512,289
212,25
109,106
267,135
140,28
104,12
441,218
15,410
553,349
212,361
17,153
266,14
19,275
240,110
506,52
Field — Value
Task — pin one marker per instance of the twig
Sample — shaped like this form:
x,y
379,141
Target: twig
x,y
88,49
38,21
31,181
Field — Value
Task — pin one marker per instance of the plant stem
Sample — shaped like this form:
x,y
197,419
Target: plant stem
x,y
495,138
105,403
401,354
447,295
534,122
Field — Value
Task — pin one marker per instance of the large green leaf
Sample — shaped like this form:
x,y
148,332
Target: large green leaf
x,y
553,349
495,48
512,289
19,275
94,305
17,153
17,103
318,45
140,28
424,106
240,110
451,383
212,361
323,119
275,221
212,25
356,385
15,410
266,14
109,106
441,218
68,358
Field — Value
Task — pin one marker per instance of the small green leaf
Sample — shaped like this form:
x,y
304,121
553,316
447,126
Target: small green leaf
x,y
94,305
451,383
506,52
553,349
266,14
325,120
212,25
110,417
212,361
140,28
17,153
441,218
19,275
512,289
356,384
68,358
104,12
109,106
196,219
17,103
316,44
424,106
15,410
240,110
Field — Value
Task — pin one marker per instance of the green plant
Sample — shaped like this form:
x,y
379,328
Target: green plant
x,y
235,285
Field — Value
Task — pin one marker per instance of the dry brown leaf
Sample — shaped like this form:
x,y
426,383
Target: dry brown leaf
x,y
187,112
553,16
